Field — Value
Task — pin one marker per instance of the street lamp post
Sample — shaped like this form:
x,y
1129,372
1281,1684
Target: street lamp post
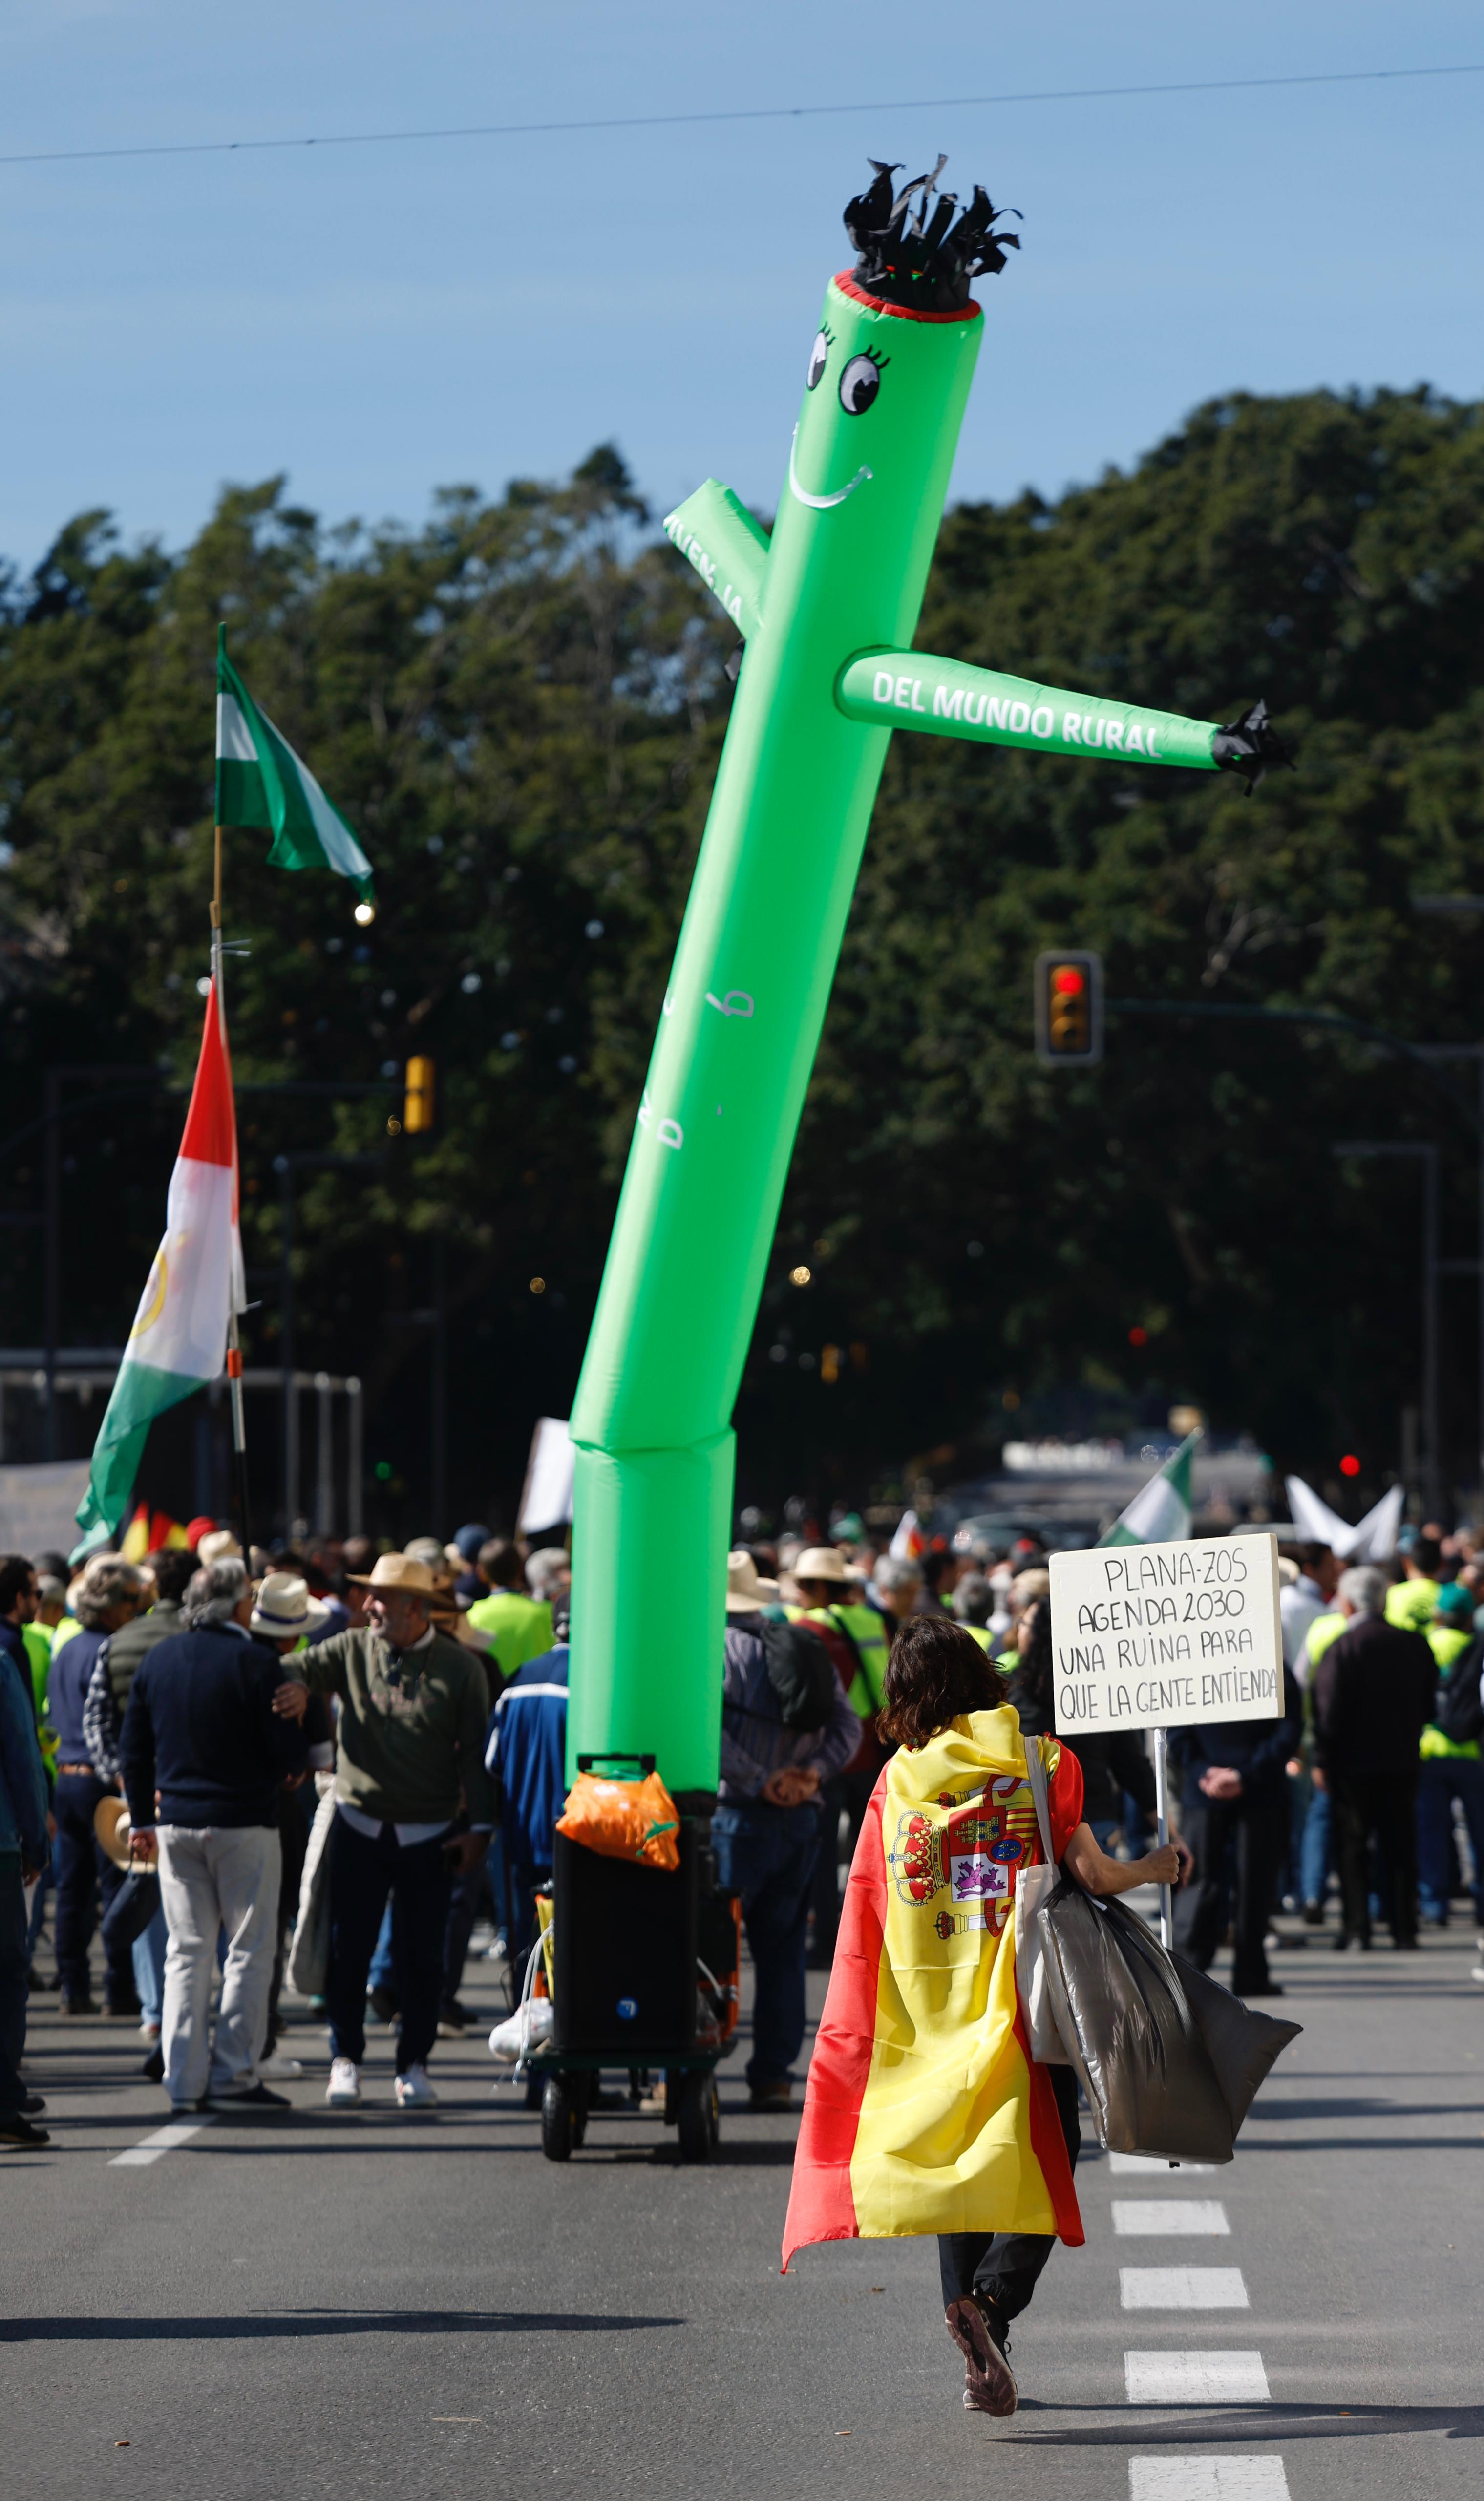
x,y
1369,1147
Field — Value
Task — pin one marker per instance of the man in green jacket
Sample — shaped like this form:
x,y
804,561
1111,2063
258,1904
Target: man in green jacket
x,y
410,1757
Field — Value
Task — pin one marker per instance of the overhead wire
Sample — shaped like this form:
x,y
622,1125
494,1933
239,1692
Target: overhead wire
x,y
741,113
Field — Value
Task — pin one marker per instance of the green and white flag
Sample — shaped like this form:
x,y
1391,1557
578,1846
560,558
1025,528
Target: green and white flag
x,y
260,781
1161,1509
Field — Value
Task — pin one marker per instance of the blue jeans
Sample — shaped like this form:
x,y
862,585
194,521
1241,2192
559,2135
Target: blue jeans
x,y
1314,1849
149,1968
766,1853
1439,1782
362,1873
83,1872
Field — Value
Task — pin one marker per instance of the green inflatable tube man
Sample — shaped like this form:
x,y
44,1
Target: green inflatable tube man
x,y
827,609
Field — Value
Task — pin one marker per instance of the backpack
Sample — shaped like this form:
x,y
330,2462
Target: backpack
x,y
800,1672
1457,1708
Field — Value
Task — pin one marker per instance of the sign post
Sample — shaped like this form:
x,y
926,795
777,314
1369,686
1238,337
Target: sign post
x,y
1161,1637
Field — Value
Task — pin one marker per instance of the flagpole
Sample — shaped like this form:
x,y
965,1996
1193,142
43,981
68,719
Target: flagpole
x,y
233,1333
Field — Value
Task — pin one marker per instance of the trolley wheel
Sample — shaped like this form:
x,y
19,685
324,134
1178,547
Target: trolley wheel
x,y
697,2117
582,2090
560,2129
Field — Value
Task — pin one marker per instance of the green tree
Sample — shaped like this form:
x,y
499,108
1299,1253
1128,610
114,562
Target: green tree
x,y
519,705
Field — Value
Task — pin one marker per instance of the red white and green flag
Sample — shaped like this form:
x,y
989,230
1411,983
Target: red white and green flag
x,y
260,781
178,1342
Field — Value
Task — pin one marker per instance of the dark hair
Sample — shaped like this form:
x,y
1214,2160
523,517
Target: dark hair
x,y
937,1673
173,1566
499,1561
1427,1553
1035,1670
15,1578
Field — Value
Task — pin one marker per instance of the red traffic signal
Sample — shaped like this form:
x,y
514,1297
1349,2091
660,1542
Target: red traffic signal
x,y
1068,1007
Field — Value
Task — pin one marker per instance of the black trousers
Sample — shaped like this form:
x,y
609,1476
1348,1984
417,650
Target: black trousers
x,y
1383,1803
362,1873
1238,1846
1006,2266
83,1871
849,1794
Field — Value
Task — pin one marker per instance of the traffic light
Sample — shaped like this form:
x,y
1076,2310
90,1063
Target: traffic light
x,y
418,1110
1068,1007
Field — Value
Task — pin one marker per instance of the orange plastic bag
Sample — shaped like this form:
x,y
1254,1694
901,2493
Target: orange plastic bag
x,y
633,1820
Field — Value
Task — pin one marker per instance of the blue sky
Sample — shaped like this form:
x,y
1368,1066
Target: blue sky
x,y
377,321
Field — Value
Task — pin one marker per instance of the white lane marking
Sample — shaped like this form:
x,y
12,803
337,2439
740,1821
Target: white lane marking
x,y
1207,2478
137,2157
822,503
1122,2165
1136,2218
1182,2289
1196,2380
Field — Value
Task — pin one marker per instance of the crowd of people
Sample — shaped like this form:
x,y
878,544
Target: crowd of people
x,y
292,1769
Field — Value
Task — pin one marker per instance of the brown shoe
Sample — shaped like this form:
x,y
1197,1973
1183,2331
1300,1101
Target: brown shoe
x,y
777,2096
988,2382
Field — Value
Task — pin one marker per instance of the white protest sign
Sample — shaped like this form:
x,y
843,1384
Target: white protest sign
x,y
1167,1636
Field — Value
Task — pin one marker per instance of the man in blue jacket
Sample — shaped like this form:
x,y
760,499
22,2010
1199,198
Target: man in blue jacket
x,y
112,1594
1236,1818
24,1844
525,1755
204,1758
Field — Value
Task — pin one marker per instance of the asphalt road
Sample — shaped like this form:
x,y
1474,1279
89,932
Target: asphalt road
x,y
368,2304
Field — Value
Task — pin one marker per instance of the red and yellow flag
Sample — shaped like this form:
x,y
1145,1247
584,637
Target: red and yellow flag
x,y
925,2111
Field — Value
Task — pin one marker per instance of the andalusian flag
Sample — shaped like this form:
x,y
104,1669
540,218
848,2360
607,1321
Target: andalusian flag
x,y
178,1342
1163,1507
262,781
925,2111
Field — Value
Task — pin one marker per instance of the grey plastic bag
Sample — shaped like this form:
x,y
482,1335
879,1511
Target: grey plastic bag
x,y
1033,1888
1167,2059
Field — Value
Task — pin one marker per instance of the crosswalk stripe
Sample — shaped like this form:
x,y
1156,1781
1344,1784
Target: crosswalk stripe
x,y
138,2158
1136,2218
1196,2380
1207,2478
1182,2289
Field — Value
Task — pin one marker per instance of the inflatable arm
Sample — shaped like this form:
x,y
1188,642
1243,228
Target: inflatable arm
x,y
827,608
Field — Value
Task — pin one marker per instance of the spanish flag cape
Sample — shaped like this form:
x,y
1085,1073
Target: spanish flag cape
x,y
925,2111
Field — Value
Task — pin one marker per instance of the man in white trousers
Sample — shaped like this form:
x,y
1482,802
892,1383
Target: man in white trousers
x,y
204,1758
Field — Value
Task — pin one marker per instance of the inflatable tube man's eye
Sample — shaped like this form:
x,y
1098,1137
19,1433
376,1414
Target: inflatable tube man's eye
x,y
819,356
858,385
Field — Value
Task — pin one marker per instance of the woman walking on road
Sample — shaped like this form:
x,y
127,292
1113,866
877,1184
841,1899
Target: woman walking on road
x,y
925,2111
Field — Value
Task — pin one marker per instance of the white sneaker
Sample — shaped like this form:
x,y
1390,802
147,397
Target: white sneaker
x,y
281,2064
344,2086
414,2091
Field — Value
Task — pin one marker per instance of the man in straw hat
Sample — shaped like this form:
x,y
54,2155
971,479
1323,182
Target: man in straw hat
x,y
778,1749
410,1752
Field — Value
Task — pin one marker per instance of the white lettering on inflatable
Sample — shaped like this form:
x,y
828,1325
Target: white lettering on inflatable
x,y
1071,727
1135,745
1023,722
1155,757
997,712
974,708
1089,722
904,694
946,706
1113,735
918,704
1042,713
881,687
668,1132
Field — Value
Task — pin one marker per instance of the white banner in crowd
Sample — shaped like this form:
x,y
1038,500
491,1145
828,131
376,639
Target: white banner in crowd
x,y
38,1505
1167,1636
546,1498
1371,1540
